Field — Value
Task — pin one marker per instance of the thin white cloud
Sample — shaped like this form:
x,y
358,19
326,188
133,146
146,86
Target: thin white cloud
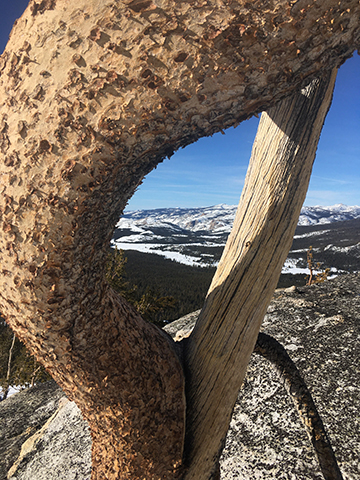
x,y
333,180
332,197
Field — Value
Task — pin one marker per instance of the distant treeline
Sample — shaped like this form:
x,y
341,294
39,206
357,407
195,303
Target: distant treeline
x,y
17,366
144,275
187,284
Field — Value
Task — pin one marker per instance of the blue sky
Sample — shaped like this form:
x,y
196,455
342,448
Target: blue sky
x,y
212,170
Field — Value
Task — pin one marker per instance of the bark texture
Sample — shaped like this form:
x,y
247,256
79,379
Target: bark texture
x,y
219,348
92,96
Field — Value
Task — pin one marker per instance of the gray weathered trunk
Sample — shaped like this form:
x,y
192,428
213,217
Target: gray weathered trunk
x,y
218,350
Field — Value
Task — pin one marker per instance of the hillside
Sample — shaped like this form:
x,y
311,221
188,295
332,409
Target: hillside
x,y
167,249
197,236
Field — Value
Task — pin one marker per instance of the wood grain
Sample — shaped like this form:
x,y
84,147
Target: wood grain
x,y
219,348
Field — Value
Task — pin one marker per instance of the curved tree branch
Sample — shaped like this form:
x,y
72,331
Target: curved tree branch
x,y
272,350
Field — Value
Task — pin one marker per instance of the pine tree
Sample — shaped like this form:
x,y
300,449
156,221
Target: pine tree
x,y
151,304
17,367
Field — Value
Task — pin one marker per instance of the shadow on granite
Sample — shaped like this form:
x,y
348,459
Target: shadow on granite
x,y
43,436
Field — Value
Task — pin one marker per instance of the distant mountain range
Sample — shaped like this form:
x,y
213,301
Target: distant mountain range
x,y
216,218
221,217
322,215
196,236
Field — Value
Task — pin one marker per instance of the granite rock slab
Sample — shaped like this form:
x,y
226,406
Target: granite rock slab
x,y
43,436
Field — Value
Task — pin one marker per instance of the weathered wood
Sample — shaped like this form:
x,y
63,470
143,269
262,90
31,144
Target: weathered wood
x,y
93,94
219,348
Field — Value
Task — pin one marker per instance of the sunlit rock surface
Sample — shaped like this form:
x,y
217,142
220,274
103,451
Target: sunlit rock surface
x,y
42,435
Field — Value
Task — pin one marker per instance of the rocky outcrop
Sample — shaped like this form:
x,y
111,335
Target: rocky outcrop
x,y
319,327
42,435
21,416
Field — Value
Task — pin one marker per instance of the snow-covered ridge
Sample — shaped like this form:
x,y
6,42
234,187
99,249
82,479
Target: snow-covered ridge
x,y
322,215
196,236
215,218
219,218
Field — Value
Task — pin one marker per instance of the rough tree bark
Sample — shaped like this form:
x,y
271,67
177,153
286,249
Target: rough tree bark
x,y
225,334
92,96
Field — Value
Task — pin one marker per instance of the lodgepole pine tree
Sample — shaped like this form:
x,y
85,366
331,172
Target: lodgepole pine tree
x,y
93,95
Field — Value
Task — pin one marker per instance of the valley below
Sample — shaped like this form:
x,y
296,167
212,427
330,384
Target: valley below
x,y
176,251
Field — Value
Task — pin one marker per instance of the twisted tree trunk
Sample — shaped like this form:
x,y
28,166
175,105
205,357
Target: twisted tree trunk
x,y
300,395
92,96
